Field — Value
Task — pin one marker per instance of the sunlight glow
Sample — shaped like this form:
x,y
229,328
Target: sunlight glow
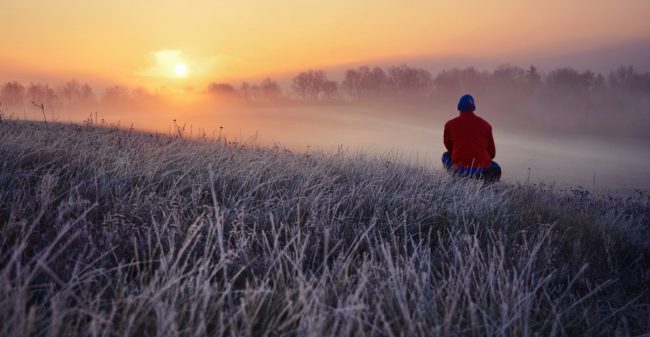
x,y
268,37
171,63
180,69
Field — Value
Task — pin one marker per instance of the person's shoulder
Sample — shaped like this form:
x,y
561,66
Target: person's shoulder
x,y
452,121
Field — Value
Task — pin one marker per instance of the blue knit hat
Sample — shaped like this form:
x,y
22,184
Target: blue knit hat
x,y
466,104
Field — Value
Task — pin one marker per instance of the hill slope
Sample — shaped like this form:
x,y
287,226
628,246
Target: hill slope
x,y
112,232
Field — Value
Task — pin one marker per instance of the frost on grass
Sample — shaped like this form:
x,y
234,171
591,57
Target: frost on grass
x,y
110,232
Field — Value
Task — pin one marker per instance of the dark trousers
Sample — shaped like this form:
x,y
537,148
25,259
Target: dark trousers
x,y
492,173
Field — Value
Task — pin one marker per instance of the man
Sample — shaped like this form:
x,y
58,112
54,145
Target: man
x,y
470,145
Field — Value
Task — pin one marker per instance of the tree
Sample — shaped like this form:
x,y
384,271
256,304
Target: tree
x,y
255,91
270,89
456,82
565,81
330,90
533,78
375,81
309,84
221,89
507,84
245,90
13,94
42,94
629,90
116,95
74,93
351,82
628,79
141,94
508,76
407,79
364,82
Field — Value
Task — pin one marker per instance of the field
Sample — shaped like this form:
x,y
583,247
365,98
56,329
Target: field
x,y
112,232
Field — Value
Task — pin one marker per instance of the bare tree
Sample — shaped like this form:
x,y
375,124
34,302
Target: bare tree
x,y
141,94
42,93
351,82
13,94
407,79
116,95
364,82
627,78
75,93
455,82
222,89
533,77
570,82
245,90
330,90
309,84
270,89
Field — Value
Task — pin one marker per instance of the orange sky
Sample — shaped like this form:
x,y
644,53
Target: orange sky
x,y
140,42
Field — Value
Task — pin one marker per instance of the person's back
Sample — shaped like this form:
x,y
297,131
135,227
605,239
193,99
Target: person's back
x,y
470,144
469,139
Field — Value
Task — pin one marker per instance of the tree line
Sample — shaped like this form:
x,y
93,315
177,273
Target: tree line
x,y
314,85
505,81
71,94
365,83
563,97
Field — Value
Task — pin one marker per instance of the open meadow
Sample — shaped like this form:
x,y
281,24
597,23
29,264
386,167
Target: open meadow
x,y
113,232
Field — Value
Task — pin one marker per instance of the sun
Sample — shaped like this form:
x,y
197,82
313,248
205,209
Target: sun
x,y
180,69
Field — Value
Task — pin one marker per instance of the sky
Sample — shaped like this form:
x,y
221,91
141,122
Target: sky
x,y
155,43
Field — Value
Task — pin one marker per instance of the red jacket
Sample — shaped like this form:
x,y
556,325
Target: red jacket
x,y
469,140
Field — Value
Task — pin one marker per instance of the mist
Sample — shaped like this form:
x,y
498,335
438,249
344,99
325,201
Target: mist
x,y
563,127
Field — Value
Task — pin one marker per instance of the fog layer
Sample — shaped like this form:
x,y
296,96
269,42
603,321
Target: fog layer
x,y
565,127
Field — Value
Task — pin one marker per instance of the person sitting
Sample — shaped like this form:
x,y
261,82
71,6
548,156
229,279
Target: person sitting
x,y
470,145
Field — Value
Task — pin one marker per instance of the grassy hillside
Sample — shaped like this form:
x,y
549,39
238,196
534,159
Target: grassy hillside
x,y
108,232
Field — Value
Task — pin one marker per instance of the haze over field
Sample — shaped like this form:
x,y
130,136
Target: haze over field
x,y
564,84
566,127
